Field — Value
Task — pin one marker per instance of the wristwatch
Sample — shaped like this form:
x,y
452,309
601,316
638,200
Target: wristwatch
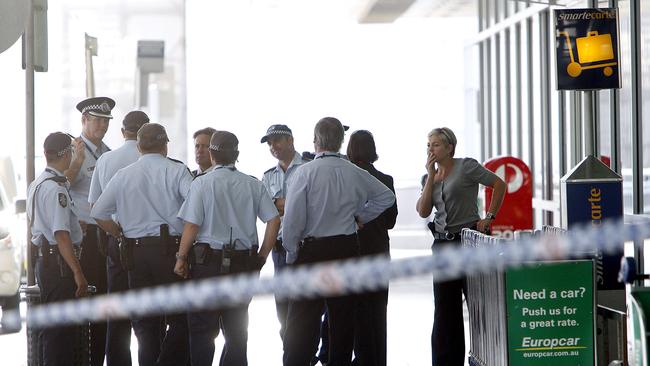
x,y
490,216
180,256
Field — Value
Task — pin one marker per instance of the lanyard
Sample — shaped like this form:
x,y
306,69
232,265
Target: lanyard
x,y
329,156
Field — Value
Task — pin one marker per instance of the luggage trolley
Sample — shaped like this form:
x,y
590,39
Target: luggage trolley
x,y
592,48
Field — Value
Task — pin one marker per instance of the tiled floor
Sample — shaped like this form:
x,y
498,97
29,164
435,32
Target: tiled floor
x,y
410,314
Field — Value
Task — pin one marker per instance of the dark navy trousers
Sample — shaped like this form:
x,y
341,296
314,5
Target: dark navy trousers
x,y
56,345
118,333
448,335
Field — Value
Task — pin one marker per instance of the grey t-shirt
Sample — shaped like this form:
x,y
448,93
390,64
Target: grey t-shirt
x,y
455,197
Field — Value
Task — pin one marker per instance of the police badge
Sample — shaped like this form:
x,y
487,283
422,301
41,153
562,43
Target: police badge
x,y
63,200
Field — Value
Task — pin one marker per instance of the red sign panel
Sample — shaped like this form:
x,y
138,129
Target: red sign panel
x,y
516,213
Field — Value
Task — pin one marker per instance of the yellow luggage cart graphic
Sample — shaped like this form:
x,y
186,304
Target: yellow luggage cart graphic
x,y
592,48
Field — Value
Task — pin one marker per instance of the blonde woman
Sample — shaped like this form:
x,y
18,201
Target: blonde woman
x,y
451,186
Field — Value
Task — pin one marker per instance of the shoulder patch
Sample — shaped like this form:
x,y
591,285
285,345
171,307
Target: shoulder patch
x,y
176,161
63,200
270,170
180,162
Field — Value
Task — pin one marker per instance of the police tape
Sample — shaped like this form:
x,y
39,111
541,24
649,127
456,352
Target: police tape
x,y
338,278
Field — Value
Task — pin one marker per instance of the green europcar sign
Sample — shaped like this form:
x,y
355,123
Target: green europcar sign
x,y
550,308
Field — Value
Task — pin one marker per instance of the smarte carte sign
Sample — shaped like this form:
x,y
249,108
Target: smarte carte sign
x,y
587,49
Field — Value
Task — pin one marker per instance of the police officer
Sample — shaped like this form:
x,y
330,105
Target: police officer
x,y
56,232
326,200
280,141
220,230
202,150
146,197
118,335
95,117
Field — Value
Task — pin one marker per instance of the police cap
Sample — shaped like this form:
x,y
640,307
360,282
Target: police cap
x,y
224,141
97,106
57,143
276,130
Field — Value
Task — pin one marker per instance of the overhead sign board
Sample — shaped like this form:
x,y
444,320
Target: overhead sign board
x,y
587,49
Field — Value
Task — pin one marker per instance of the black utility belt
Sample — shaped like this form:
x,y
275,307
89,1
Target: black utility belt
x,y
47,250
232,252
153,240
312,239
448,235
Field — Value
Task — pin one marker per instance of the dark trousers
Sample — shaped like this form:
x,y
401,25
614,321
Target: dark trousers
x,y
204,325
57,343
153,266
93,264
304,317
118,334
448,335
370,329
279,255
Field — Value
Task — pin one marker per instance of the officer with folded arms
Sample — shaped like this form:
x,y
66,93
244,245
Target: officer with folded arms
x,y
56,232
220,234
146,196
118,334
326,200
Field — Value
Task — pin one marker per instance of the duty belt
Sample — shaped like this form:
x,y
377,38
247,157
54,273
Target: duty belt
x,y
445,236
153,240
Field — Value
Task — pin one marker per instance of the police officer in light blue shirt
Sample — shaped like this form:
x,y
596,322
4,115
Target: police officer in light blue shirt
x,y
118,334
220,217
146,197
95,118
326,200
56,233
280,141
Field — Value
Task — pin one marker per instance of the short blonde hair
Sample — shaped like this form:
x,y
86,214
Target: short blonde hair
x,y
447,136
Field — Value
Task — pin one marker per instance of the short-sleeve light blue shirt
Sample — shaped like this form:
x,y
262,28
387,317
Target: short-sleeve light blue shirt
x,y
108,164
226,199
145,195
275,180
80,186
53,210
325,195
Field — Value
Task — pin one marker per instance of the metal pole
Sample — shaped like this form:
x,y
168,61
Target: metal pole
x,y
614,119
497,92
481,95
508,116
29,124
488,101
588,114
591,115
545,83
531,109
518,93
637,127
576,127
562,131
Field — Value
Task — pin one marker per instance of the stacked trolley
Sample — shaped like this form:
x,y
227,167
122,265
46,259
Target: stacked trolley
x,y
540,314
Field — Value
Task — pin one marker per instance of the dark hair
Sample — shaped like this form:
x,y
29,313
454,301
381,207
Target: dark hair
x,y
224,157
204,131
361,147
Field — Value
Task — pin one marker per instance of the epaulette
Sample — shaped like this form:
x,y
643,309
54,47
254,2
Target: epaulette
x,y
269,170
308,156
199,175
180,162
254,177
